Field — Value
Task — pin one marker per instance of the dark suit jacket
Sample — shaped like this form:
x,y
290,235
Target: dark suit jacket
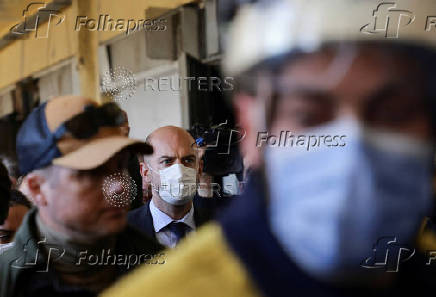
x,y
141,219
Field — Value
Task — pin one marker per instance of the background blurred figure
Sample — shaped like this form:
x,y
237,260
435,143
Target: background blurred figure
x,y
125,127
172,170
147,192
74,157
5,188
329,212
12,167
207,188
18,207
133,167
217,146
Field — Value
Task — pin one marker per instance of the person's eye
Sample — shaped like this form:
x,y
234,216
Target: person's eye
x,y
304,112
6,238
166,162
395,110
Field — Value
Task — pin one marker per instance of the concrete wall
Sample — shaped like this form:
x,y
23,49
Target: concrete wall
x,y
25,57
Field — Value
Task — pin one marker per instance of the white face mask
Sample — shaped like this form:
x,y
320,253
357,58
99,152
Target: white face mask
x,y
178,184
5,246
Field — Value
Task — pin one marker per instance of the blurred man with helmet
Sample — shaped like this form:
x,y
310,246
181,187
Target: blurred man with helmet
x,y
322,218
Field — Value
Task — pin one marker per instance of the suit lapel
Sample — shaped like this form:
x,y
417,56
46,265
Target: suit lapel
x,y
147,223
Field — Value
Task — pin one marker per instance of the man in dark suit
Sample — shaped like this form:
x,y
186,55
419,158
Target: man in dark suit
x,y
173,172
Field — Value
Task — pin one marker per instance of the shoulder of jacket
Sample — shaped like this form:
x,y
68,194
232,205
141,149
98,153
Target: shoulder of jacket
x,y
8,273
138,211
142,242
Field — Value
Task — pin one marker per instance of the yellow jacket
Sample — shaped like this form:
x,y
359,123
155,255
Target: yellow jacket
x,y
202,266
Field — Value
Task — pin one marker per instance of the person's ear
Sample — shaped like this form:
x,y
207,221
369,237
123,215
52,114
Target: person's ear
x,y
142,168
33,183
145,172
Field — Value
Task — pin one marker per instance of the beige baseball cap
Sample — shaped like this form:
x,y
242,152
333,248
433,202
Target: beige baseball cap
x,y
73,132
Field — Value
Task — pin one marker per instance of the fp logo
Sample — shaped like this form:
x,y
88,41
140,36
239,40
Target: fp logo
x,y
32,22
388,254
232,138
32,257
388,20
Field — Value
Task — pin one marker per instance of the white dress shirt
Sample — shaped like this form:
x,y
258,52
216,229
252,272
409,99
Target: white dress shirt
x,y
161,220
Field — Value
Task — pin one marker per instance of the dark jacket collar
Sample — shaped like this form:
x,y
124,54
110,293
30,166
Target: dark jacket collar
x,y
27,243
142,220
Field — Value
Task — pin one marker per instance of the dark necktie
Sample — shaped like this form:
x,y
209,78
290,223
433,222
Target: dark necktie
x,y
178,229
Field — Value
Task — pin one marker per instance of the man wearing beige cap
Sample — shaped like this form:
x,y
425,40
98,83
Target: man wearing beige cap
x,y
76,241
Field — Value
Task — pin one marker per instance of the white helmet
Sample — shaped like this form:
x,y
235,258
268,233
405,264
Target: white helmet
x,y
261,31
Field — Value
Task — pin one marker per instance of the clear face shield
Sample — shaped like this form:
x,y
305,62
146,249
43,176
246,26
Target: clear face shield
x,y
346,141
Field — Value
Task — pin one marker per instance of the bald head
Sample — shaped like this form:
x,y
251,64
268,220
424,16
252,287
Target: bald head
x,y
172,147
172,144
